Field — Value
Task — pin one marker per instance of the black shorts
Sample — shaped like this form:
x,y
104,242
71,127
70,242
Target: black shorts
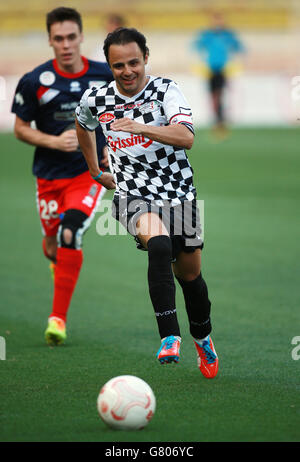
x,y
217,81
182,221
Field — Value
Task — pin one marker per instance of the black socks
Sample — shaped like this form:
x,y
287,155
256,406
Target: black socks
x,y
197,306
162,293
162,286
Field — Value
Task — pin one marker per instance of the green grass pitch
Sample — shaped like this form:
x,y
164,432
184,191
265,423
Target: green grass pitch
x,y
250,185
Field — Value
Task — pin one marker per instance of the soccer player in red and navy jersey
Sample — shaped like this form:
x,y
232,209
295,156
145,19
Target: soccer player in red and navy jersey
x,y
67,196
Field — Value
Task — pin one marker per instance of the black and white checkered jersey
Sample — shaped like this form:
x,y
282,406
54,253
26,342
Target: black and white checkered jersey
x,y
143,167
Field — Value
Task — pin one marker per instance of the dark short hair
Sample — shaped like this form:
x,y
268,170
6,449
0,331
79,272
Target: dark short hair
x,y
63,14
122,36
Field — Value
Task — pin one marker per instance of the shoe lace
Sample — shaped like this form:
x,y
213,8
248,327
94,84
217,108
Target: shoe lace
x,y
170,342
208,353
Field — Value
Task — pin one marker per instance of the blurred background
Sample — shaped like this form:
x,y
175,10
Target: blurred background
x,y
250,184
260,80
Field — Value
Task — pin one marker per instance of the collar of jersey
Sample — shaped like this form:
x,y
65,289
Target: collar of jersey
x,y
130,98
69,75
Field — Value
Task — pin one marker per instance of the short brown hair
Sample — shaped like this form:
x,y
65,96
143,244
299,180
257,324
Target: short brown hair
x,y
63,14
122,36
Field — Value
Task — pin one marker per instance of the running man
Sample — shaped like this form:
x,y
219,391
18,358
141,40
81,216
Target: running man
x,y
67,196
217,46
148,126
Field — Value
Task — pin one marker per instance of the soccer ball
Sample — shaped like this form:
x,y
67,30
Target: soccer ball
x,y
126,403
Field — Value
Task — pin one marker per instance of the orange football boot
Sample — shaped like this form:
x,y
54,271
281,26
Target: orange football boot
x,y
208,361
169,350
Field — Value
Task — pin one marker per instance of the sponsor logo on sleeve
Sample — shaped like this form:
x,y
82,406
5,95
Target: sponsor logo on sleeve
x,y
19,99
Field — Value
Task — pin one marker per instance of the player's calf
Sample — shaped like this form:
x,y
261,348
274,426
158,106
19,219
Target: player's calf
x,y
69,260
49,247
198,306
162,286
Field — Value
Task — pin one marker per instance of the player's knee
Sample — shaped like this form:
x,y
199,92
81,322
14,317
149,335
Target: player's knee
x,y
188,276
159,268
160,248
72,228
67,236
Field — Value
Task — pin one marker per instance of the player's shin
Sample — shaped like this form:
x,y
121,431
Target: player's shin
x,y
69,262
162,286
69,258
197,305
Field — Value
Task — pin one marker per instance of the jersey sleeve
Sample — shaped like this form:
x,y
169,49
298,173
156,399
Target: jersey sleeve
x,y
83,113
25,104
176,107
234,43
201,42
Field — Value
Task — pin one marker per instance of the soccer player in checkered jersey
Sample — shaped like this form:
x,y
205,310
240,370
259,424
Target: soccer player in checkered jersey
x,y
67,196
148,125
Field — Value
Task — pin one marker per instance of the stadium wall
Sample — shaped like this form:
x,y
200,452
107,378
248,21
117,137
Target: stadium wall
x,y
251,100
260,82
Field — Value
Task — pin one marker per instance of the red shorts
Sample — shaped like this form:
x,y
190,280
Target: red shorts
x,y
54,197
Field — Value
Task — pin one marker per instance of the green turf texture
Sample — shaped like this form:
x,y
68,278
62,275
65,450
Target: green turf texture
x,y
250,185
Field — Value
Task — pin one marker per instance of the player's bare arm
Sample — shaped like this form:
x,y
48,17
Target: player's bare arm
x,y
67,141
104,162
87,142
173,135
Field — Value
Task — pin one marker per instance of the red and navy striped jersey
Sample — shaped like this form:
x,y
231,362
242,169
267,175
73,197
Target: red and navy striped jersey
x,y
49,96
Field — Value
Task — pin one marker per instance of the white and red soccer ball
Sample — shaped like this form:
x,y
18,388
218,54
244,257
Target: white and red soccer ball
x,y
126,402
